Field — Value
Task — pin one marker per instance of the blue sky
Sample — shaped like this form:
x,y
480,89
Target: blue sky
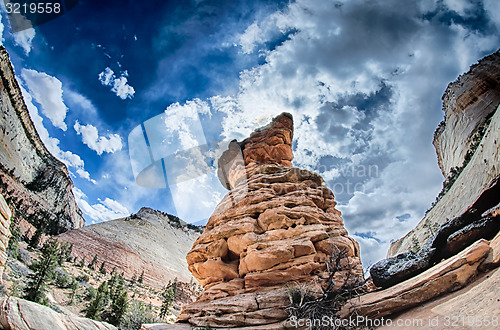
x,y
363,80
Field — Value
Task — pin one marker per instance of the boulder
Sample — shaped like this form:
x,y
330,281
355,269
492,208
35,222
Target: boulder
x,y
20,314
447,276
480,220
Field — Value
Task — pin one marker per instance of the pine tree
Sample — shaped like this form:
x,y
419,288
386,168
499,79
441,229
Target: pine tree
x,y
168,297
43,271
141,277
118,308
13,245
93,262
102,270
74,288
66,249
81,263
35,239
97,305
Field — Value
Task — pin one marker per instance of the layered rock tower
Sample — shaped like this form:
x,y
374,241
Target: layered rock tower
x,y
275,228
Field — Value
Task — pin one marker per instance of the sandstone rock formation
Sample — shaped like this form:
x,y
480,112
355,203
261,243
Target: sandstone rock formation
x,y
447,276
475,303
35,184
20,314
480,220
148,240
467,102
5,215
276,226
471,107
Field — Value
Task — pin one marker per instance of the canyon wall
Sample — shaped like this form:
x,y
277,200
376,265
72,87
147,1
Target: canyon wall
x,y
471,131
149,241
275,227
5,215
36,185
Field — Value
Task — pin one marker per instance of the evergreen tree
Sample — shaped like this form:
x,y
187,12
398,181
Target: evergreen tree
x,y
13,245
35,239
66,249
118,308
168,297
93,262
43,271
102,270
74,288
97,305
141,277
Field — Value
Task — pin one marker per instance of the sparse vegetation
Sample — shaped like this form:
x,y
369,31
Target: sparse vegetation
x,y
168,296
43,271
138,314
475,141
110,302
307,303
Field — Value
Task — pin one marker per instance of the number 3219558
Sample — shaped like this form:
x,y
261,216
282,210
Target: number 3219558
x,y
33,8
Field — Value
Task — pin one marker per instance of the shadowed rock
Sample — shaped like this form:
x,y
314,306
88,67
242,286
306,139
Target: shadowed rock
x,y
480,220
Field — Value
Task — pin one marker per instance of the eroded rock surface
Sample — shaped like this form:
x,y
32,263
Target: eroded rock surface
x,y
20,314
36,185
149,241
471,107
276,226
480,220
5,215
447,276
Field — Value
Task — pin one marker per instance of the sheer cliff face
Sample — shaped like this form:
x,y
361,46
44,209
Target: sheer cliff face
x,y
276,226
35,184
471,131
467,103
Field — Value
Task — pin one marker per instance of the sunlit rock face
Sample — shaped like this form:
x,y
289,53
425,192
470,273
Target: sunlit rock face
x,y
5,234
470,131
35,184
149,241
276,226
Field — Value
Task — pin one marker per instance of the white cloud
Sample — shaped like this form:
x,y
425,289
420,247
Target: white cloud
x,y
81,101
107,77
1,31
108,209
250,38
122,89
100,144
24,38
71,160
119,85
492,8
363,81
47,91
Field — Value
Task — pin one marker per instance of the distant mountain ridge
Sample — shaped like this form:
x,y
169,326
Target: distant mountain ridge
x,y
149,241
